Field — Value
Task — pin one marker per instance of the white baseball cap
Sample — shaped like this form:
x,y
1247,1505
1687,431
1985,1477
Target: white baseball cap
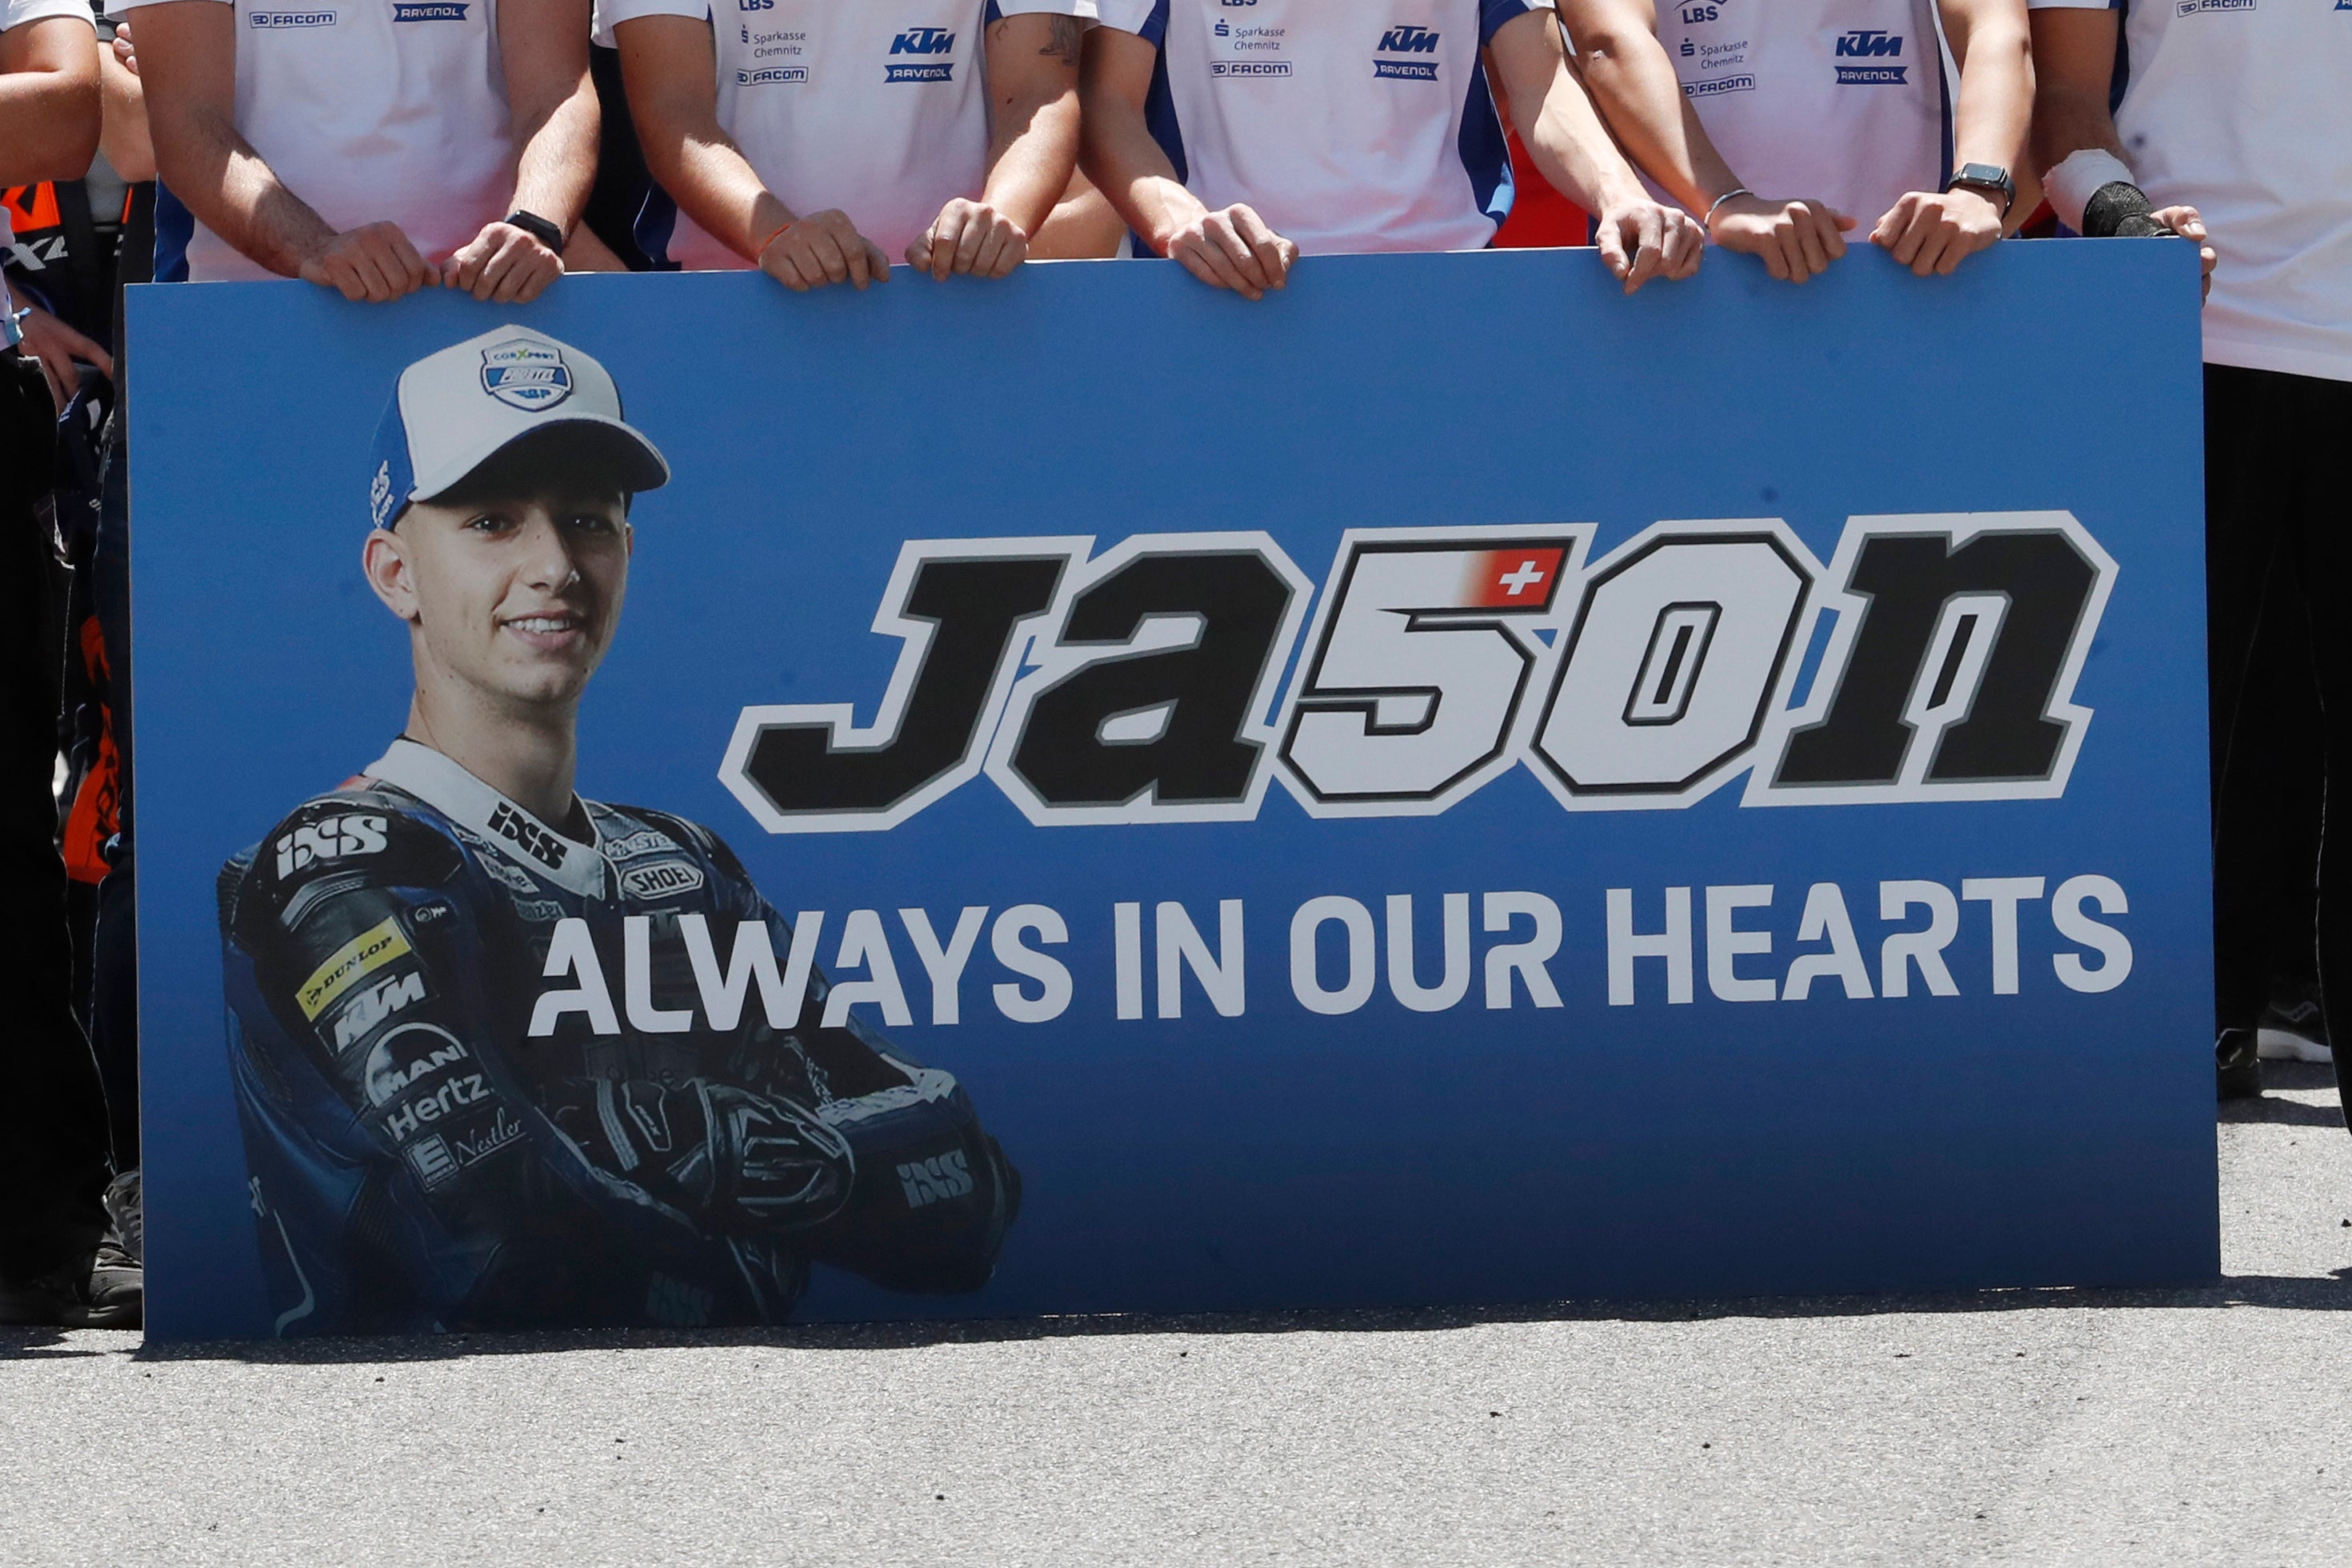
x,y
455,410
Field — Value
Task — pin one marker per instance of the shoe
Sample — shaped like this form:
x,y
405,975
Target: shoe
x,y
2294,1028
128,1217
105,1290
2238,1064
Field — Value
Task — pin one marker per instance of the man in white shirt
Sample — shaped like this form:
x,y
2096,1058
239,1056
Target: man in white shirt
x,y
1234,140
817,140
54,1158
373,148
2238,116
1787,123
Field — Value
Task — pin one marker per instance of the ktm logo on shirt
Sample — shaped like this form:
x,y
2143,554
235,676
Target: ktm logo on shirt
x,y
922,41
1869,42
1407,39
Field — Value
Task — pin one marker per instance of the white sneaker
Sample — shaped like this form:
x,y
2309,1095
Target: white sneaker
x,y
2278,1045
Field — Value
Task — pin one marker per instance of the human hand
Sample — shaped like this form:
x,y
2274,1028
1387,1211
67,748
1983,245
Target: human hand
x,y
1234,249
1641,240
1796,240
2187,222
374,262
503,265
122,48
969,237
1933,234
821,248
57,346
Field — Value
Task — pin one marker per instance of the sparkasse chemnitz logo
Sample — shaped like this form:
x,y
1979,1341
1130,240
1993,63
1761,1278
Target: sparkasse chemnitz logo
x,y
922,41
1147,683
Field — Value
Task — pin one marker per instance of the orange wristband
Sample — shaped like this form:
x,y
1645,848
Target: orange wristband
x,y
771,239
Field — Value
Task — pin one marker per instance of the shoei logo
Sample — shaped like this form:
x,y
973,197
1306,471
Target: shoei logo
x,y
1436,660
290,19
525,375
430,10
660,879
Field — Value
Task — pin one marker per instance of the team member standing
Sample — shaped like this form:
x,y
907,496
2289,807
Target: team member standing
x,y
373,148
818,140
2239,117
1788,123
53,1133
1235,141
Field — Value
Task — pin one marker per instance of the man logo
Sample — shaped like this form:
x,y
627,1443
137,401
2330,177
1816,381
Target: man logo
x,y
525,375
406,1057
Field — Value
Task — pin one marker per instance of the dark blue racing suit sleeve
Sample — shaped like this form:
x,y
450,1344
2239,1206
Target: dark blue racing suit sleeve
x,y
484,1197
933,1194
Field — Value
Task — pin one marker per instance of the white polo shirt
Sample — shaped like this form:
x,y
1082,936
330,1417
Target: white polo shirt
x,y
1839,100
15,14
880,110
2242,109
369,110
1349,126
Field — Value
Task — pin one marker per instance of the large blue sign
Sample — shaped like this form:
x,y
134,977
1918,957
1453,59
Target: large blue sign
x,y
1449,784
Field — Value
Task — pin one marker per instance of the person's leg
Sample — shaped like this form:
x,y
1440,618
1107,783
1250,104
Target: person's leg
x,y
2293,1023
2311,416
114,995
2243,525
53,1129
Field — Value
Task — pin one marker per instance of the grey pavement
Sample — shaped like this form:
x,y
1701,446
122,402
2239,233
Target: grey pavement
x,y
2205,1426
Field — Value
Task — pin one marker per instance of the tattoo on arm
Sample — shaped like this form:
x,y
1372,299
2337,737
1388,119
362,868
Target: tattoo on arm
x,y
1065,44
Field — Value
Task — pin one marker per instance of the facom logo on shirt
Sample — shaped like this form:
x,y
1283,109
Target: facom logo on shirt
x,y
1867,43
430,10
769,75
1252,39
290,18
922,41
1719,86
1406,38
2192,8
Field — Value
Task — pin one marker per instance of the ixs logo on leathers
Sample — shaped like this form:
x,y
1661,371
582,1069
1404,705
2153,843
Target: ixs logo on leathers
x,y
1147,683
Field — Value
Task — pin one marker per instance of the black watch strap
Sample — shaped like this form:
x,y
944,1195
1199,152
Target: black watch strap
x,y
538,228
1986,177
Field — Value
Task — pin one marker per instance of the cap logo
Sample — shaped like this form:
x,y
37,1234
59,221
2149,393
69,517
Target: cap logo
x,y
380,494
525,375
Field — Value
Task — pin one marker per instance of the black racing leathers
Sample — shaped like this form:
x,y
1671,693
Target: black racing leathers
x,y
473,1093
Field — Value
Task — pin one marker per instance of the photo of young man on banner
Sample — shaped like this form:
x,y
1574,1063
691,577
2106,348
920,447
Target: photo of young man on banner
x,y
505,1057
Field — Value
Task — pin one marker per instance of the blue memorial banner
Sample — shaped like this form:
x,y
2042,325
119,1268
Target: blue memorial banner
x,y
1448,784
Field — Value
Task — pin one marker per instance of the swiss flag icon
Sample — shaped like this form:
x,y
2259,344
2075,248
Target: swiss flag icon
x,y
1521,579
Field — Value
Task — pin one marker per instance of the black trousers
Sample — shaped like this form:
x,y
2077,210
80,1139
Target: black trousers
x,y
2278,568
54,1162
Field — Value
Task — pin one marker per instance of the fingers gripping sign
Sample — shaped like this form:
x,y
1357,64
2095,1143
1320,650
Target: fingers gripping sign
x,y
1234,249
821,248
1932,235
376,262
969,237
1796,240
1641,240
503,265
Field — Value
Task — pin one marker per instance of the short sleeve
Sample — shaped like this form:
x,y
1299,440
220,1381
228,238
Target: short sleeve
x,y
1494,14
1147,19
17,13
2073,4
609,12
1082,9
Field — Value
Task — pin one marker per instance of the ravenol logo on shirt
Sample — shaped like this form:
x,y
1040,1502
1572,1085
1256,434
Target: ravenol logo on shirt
x,y
430,10
524,374
1405,38
922,41
290,19
1867,43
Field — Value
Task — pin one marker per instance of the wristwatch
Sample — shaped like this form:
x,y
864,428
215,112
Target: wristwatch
x,y
539,229
1986,179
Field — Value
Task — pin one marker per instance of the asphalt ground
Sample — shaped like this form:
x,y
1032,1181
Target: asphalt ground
x,y
2205,1426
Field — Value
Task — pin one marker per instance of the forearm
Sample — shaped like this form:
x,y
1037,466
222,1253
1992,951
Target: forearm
x,y
1633,86
1574,150
48,125
715,185
1030,165
1995,105
2067,119
124,140
1135,176
232,190
557,164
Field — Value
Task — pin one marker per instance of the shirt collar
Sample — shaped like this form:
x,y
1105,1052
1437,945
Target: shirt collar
x,y
498,822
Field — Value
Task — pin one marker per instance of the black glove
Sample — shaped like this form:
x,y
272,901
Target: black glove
x,y
2120,210
738,1160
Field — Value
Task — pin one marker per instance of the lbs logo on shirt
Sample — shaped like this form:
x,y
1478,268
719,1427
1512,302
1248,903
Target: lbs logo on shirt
x,y
922,41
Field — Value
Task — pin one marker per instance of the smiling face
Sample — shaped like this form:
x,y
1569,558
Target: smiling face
x,y
510,600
